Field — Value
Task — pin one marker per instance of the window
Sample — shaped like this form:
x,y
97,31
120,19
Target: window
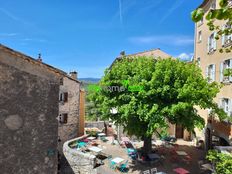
x,y
230,3
213,6
210,73
227,64
199,36
226,39
225,104
63,97
61,81
199,61
212,43
200,22
63,118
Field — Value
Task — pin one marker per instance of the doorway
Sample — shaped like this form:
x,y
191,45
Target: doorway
x,y
179,131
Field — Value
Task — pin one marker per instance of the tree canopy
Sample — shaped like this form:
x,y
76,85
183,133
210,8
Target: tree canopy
x,y
150,93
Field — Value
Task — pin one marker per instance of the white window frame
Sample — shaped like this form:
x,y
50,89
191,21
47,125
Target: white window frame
x,y
211,72
226,105
213,5
226,64
226,39
199,61
212,42
199,36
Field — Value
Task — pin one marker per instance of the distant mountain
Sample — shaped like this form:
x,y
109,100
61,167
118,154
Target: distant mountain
x,y
90,80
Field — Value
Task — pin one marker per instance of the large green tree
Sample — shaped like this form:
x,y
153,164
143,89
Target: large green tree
x,y
150,93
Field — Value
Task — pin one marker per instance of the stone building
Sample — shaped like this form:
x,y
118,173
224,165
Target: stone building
x,y
69,108
40,109
213,63
28,111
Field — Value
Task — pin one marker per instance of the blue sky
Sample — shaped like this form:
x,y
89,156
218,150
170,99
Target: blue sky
x,y
87,35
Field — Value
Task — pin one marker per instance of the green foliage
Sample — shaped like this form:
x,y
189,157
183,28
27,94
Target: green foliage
x,y
93,112
222,13
171,90
222,162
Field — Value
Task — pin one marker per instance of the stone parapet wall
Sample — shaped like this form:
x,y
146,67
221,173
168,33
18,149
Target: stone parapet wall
x,y
81,163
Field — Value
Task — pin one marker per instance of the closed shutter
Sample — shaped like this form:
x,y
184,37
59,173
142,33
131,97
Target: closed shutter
x,y
223,36
230,78
213,73
221,71
65,97
207,72
208,48
214,41
230,107
65,118
220,103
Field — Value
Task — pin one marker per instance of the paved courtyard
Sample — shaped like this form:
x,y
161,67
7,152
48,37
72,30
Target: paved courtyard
x,y
170,159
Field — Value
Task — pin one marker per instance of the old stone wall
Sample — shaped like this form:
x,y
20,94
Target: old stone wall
x,y
69,130
28,111
81,163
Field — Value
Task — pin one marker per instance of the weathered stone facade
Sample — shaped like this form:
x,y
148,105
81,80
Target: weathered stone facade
x,y
28,111
69,130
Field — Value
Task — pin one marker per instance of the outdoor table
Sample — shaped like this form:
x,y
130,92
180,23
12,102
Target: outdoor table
x,y
91,138
207,166
153,156
181,171
181,153
101,134
125,139
95,149
117,160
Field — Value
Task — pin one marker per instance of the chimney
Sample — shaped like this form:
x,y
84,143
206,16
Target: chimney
x,y
39,58
73,75
122,53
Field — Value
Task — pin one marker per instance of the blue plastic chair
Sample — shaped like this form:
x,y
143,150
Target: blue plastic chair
x,y
81,144
112,165
123,167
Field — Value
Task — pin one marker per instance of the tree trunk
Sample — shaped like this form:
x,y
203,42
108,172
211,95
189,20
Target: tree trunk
x,y
147,146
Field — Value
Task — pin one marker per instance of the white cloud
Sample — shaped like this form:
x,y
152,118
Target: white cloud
x,y
185,56
167,40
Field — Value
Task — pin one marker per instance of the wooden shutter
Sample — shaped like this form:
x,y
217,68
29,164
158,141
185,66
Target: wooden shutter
x,y
214,41
207,72
61,97
221,71
230,78
65,97
61,81
223,36
230,107
213,72
208,48
65,118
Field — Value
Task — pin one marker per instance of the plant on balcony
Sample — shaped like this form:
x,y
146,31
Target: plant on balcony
x,y
170,90
222,163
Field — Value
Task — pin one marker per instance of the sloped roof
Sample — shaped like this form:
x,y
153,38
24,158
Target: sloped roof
x,y
35,62
153,53
156,53
203,3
